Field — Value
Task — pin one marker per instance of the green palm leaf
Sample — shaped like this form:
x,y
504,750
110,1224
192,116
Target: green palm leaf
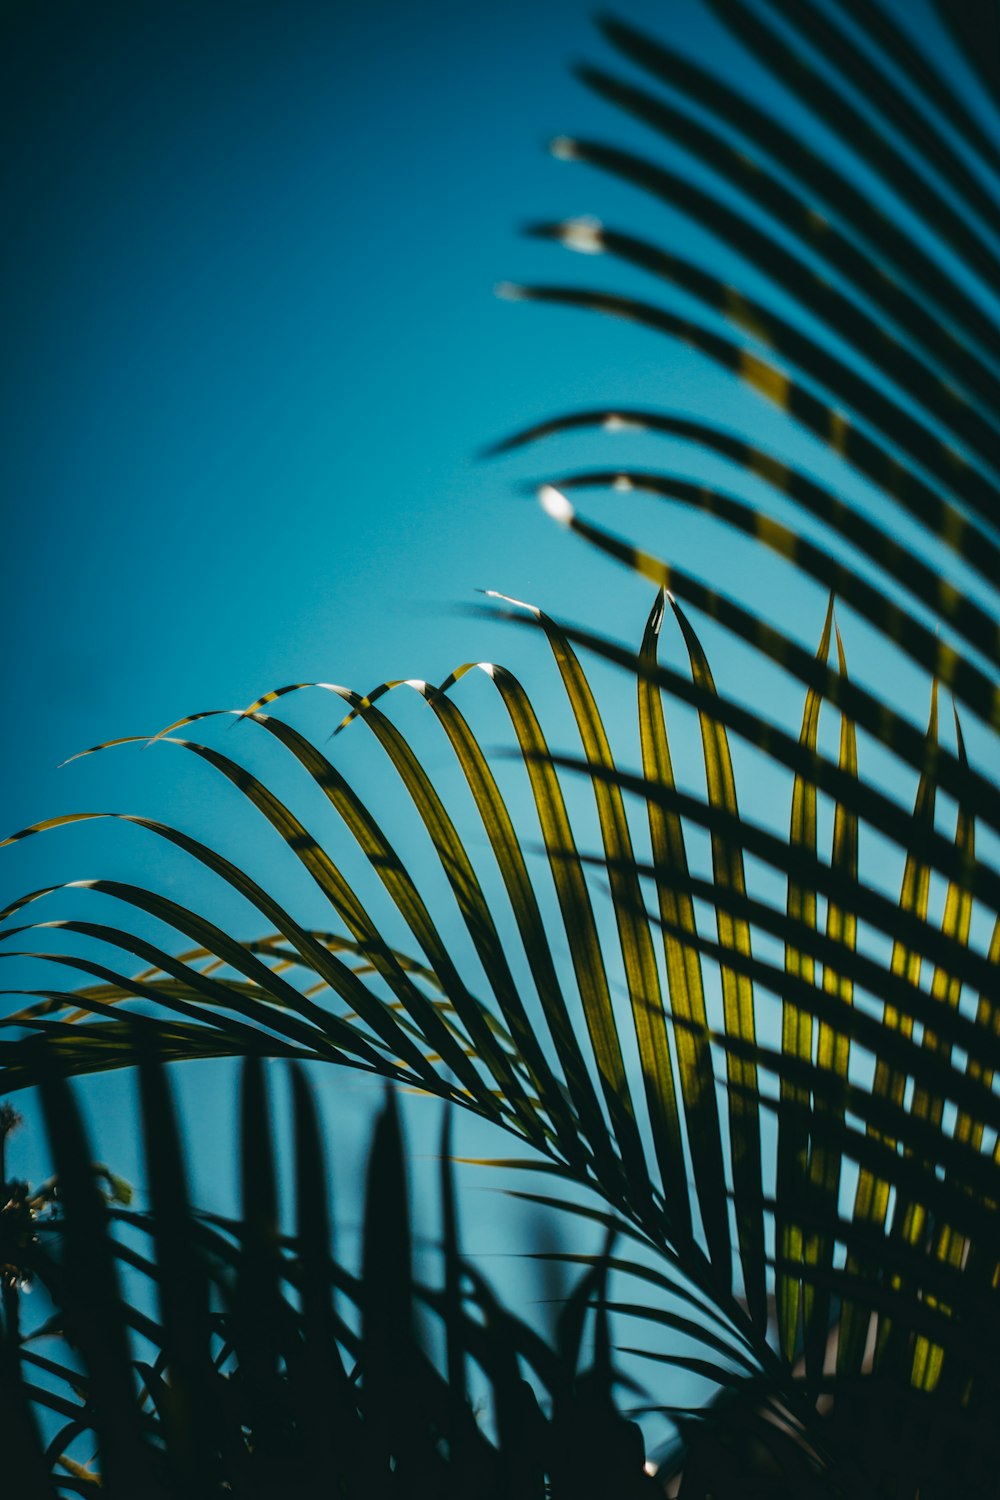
x,y
854,1068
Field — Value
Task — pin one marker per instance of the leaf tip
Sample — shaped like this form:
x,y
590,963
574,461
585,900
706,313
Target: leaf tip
x,y
657,613
555,504
584,235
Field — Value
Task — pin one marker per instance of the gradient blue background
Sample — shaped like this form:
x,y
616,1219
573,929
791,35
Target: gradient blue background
x,y
251,353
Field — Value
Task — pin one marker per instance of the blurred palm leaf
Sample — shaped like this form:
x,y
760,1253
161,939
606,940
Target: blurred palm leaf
x,y
671,1173
264,1362
891,362
829,1215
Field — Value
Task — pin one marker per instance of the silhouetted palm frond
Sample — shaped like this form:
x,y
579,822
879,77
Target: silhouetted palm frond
x,y
192,1356
792,1102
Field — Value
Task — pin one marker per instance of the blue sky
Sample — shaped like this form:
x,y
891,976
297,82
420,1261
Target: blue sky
x,y
252,353
255,352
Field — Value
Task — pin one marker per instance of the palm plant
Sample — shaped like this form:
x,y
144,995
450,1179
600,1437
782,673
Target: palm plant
x,y
267,1362
826,1224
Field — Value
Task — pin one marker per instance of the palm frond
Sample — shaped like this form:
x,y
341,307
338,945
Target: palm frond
x,y
265,1361
797,1115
